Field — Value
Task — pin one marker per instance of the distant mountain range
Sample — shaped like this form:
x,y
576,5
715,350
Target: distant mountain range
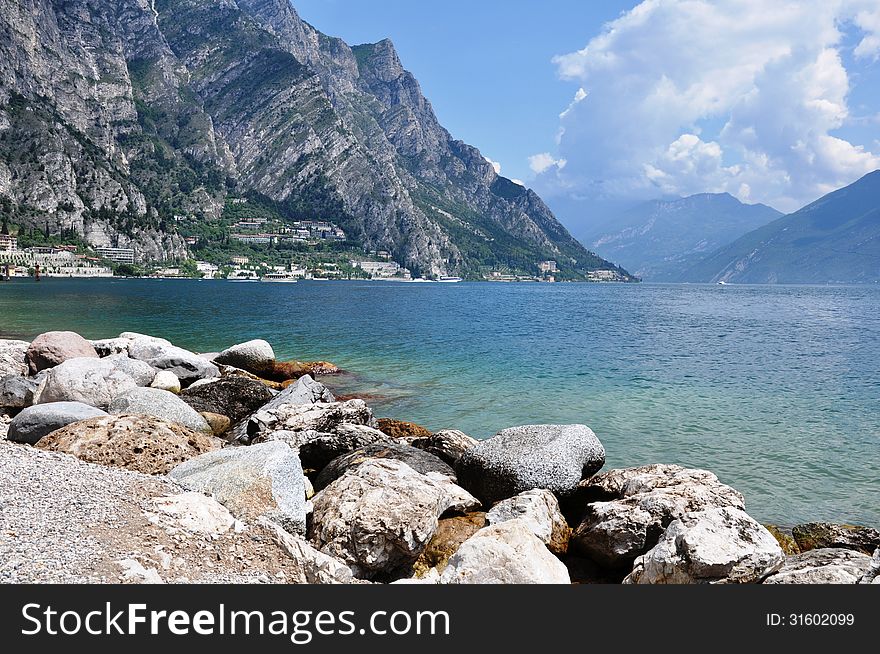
x,y
660,239
836,239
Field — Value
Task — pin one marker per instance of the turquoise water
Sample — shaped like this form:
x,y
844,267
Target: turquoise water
x,y
775,389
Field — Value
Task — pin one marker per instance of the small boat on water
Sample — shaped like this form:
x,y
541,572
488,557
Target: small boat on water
x,y
722,283
279,278
448,279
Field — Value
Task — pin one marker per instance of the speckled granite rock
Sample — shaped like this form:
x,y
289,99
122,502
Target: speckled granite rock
x,y
822,566
554,457
160,404
35,422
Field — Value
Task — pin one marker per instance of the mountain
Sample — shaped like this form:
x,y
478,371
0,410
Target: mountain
x,y
119,118
836,239
660,239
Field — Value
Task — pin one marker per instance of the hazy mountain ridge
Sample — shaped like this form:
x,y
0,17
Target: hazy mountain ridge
x,y
660,239
835,239
158,109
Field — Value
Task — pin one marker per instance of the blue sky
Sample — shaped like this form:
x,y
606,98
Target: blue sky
x,y
597,105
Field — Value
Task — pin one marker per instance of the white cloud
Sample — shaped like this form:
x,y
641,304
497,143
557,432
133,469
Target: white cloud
x,y
684,96
495,165
540,163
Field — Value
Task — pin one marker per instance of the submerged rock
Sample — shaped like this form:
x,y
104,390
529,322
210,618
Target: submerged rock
x,y
160,404
822,566
506,553
401,429
51,348
35,422
260,481
140,443
255,356
718,545
539,509
379,517
555,457
639,505
819,535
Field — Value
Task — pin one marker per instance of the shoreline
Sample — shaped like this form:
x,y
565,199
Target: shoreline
x,y
542,490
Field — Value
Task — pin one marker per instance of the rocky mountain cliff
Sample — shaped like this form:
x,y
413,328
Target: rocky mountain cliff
x,y
115,117
835,239
660,239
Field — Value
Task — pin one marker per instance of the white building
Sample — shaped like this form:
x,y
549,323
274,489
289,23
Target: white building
x,y
209,270
118,255
8,243
378,268
547,267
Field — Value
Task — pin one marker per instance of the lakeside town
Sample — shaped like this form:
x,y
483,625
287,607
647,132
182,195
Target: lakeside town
x,y
79,261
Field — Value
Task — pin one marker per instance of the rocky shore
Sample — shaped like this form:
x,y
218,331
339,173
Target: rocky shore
x,y
132,460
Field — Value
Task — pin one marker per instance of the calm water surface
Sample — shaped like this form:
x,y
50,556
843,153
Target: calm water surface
x,y
775,389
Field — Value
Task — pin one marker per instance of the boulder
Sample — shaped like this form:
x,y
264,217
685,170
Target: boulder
x,y
401,429
90,381
284,371
165,380
321,448
819,535
160,404
260,481
447,444
219,424
142,373
140,443
255,356
320,417
160,354
418,460
451,533
35,422
13,357
639,504
49,349
539,509
233,397
106,347
555,457
305,391
872,576
193,512
313,566
379,516
822,566
16,392
785,539
718,545
506,553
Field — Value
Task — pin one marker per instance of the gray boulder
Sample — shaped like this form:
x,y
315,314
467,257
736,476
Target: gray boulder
x,y
233,397
49,349
263,480
418,460
539,510
320,417
321,448
823,566
142,373
447,444
639,504
90,381
380,516
255,356
555,457
159,404
106,347
160,354
720,545
12,357
818,535
37,421
16,392
305,391
872,576
506,553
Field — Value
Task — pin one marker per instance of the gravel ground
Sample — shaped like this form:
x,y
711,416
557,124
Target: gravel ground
x,y
66,521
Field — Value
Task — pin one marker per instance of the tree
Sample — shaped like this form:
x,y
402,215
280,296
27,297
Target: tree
x,y
4,229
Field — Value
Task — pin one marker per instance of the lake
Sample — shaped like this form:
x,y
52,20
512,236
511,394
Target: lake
x,y
776,389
